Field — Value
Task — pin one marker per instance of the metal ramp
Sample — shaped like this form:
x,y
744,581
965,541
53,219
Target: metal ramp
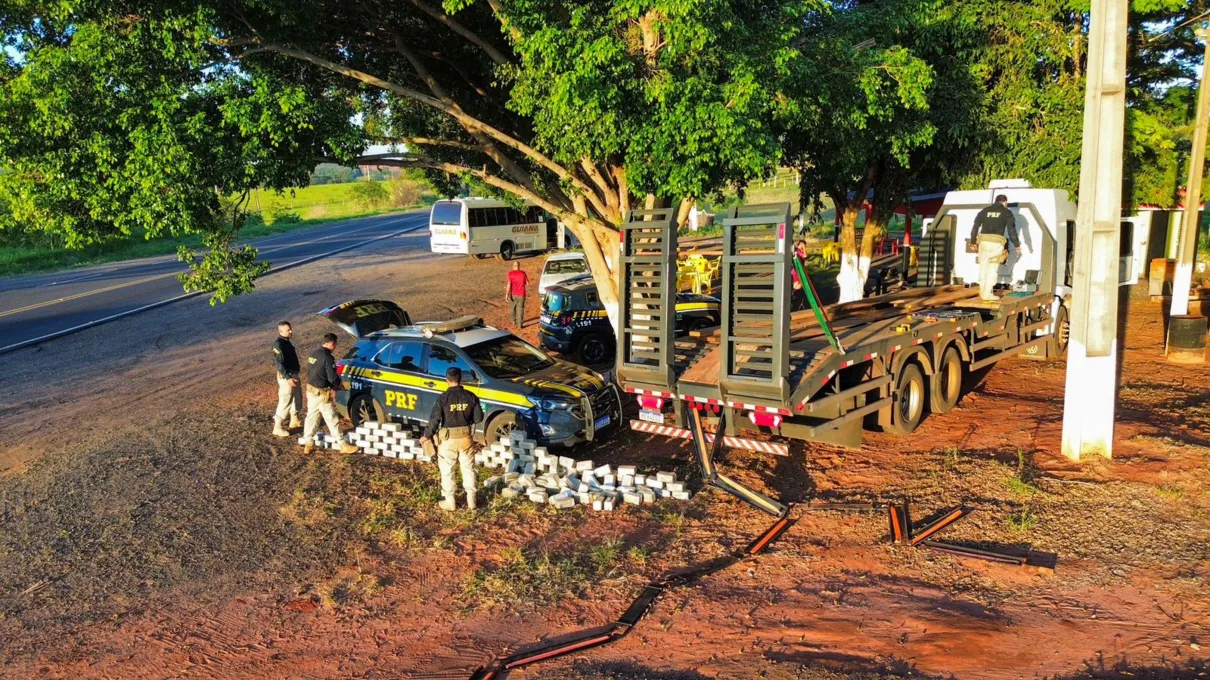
x,y
646,280
756,304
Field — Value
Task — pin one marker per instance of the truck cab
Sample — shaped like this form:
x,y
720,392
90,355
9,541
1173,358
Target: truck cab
x,y
1046,225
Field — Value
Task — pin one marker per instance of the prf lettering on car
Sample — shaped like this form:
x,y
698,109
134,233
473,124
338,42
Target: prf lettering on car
x,y
401,400
368,310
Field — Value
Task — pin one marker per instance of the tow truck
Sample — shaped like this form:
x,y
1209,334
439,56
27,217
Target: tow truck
x,y
765,375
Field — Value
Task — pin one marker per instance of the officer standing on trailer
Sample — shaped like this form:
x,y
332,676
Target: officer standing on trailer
x,y
322,384
995,226
453,421
289,387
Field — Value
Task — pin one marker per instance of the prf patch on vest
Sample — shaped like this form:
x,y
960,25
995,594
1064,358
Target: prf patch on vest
x,y
459,407
401,400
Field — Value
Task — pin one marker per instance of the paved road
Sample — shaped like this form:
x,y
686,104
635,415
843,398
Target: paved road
x,y
43,306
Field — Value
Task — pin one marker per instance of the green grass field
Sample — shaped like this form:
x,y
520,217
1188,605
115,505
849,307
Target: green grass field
x,y
270,214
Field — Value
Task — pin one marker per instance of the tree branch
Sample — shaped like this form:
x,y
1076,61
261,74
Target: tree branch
x,y
443,18
467,121
426,141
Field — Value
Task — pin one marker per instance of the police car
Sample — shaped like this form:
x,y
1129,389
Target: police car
x,y
574,321
396,370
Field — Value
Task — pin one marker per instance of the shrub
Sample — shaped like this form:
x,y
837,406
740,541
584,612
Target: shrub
x,y
369,194
404,192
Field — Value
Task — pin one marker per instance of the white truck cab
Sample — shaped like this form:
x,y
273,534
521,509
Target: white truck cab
x,y
1046,226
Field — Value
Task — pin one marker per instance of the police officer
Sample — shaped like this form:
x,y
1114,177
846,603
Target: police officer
x,y
289,387
453,420
322,384
988,238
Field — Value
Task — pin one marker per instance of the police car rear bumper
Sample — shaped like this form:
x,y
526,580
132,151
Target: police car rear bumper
x,y
552,342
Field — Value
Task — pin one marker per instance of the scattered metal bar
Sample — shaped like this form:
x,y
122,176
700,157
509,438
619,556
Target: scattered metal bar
x,y
915,538
964,551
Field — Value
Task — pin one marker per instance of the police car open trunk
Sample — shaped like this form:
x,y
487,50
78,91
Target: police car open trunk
x,y
360,318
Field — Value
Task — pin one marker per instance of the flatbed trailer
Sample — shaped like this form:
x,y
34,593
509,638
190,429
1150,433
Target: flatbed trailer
x,y
766,374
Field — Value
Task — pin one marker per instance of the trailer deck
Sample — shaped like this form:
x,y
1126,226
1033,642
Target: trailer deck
x,y
812,375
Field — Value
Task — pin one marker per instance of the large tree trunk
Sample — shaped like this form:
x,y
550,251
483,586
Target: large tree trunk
x,y
854,264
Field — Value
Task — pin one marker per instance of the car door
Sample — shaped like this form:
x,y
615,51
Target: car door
x,y
396,376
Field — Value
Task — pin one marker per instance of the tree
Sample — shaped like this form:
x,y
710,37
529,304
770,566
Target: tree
x,y
574,106
883,101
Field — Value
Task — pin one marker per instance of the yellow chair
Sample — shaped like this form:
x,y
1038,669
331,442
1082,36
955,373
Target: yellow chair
x,y
830,253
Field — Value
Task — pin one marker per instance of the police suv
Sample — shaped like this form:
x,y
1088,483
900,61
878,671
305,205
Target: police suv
x,y
574,322
397,368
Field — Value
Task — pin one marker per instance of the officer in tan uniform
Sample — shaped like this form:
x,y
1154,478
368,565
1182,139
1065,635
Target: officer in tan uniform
x,y
994,228
289,387
322,384
453,421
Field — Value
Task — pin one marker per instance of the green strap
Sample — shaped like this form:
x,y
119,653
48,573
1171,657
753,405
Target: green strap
x,y
813,297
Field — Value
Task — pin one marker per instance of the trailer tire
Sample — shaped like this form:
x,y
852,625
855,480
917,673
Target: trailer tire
x,y
1058,339
910,394
945,385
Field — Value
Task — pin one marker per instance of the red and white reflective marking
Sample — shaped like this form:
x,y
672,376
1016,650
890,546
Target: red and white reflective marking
x,y
702,400
758,409
733,442
896,348
651,393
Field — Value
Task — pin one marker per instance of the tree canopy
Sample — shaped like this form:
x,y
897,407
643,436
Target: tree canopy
x,y
123,117
126,114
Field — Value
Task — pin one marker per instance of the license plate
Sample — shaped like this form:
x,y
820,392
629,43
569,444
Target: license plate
x,y
545,318
651,416
601,422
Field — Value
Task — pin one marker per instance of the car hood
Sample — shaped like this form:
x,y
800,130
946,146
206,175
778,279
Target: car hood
x,y
563,379
360,318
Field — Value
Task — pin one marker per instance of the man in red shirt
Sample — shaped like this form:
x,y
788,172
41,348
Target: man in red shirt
x,y
517,282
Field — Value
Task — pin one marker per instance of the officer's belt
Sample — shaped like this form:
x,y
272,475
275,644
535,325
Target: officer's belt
x,y
448,433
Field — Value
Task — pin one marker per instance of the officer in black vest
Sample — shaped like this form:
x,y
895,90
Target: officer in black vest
x,y
995,226
289,387
453,421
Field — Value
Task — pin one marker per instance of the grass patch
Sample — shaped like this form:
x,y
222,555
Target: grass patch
x,y
1023,520
1170,492
528,579
1021,482
306,207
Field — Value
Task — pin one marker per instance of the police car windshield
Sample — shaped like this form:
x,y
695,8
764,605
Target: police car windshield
x,y
507,357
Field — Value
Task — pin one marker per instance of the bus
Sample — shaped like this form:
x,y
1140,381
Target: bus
x,y
480,227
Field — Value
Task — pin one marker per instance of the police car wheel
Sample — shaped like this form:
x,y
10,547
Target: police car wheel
x,y
593,349
499,426
699,324
362,409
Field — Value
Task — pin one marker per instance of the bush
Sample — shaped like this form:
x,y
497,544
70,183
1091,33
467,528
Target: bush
x,y
282,216
370,194
404,192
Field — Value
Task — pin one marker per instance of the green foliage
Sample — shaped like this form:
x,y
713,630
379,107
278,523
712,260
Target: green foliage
x,y
370,194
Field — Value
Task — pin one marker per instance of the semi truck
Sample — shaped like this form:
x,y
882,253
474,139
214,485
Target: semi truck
x,y
766,375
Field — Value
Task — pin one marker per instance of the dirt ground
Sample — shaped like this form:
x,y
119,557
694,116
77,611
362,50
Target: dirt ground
x,y
150,526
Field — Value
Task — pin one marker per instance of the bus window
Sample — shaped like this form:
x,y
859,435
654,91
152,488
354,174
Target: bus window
x,y
447,213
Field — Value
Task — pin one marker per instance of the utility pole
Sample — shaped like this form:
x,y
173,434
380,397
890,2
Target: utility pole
x,y
1186,251
1088,402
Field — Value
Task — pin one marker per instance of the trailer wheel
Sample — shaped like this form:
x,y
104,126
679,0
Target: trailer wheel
x,y
1058,339
945,387
908,409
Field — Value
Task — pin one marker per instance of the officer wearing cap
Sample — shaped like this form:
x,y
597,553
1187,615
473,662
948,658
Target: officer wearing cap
x,y
453,421
994,227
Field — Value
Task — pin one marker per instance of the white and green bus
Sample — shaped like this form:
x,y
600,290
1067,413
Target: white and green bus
x,y
480,227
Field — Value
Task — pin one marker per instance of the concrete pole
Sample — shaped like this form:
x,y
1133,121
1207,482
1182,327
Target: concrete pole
x,y
1088,403
1186,252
